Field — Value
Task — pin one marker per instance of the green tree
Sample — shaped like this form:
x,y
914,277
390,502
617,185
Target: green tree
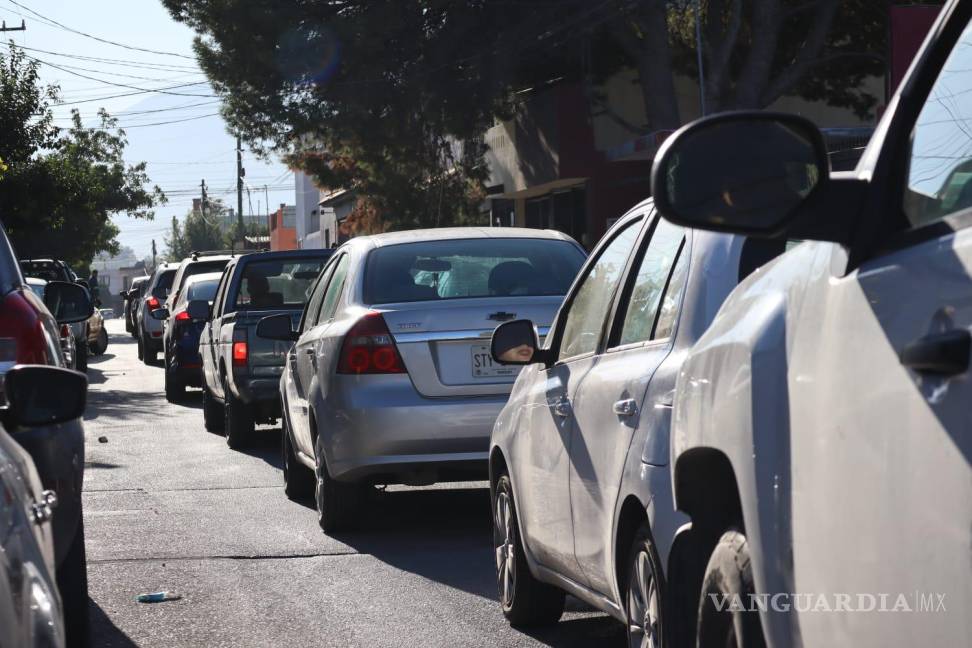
x,y
62,186
391,98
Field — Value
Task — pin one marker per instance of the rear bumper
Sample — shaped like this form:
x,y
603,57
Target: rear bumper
x,y
261,393
378,428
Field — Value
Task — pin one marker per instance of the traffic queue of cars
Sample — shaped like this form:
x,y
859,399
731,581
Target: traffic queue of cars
x,y
752,394
43,570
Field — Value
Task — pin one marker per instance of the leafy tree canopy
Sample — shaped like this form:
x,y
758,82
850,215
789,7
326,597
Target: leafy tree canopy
x,y
61,186
391,98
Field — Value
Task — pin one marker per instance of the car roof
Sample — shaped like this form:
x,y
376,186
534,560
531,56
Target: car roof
x,y
452,233
36,281
206,276
138,280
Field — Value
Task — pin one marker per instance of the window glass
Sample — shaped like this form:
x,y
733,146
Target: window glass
x,y
668,312
656,266
333,294
309,316
585,319
164,284
277,283
940,173
487,267
203,289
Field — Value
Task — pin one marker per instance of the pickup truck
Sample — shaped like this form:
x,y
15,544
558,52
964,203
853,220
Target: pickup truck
x,y
241,371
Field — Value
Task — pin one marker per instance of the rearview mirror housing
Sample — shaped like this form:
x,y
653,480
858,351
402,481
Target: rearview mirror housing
x,y
515,343
198,309
277,327
755,173
43,395
68,302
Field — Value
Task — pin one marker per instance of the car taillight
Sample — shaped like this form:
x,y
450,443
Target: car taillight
x,y
152,302
22,338
368,348
182,316
65,331
240,351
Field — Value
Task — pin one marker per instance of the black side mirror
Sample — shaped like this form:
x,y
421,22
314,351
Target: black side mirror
x,y
515,343
160,313
277,327
743,172
68,302
198,309
43,395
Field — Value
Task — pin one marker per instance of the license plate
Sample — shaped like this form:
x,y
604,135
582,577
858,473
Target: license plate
x,y
483,365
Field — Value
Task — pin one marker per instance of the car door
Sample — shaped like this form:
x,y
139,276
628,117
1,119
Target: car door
x,y
881,428
208,339
541,453
303,359
607,403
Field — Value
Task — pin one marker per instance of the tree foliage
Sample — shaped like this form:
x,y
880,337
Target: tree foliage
x,y
205,232
61,186
391,98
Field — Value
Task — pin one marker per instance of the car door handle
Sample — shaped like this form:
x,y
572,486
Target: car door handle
x,y
562,408
626,407
943,354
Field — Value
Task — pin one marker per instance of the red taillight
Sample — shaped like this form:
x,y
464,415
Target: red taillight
x,y
239,354
22,338
152,302
65,330
369,348
182,316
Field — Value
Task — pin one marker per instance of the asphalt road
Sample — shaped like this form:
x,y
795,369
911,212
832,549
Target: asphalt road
x,y
169,507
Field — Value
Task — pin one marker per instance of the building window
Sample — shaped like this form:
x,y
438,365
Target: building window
x,y
564,211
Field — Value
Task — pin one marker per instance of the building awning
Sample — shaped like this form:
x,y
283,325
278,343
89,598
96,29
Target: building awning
x,y
257,239
539,190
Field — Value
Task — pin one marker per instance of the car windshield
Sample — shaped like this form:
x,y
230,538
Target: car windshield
x,y
37,288
277,283
46,270
466,268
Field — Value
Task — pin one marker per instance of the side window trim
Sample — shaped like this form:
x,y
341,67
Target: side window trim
x,y
327,290
322,278
682,249
220,292
556,336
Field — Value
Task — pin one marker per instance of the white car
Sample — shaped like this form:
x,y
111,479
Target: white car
x,y
579,456
821,438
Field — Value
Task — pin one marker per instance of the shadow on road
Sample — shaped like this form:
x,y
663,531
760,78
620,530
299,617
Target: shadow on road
x,y
104,633
124,405
266,445
104,357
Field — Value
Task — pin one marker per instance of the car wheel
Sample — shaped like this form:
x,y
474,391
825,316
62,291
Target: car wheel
x,y
102,341
140,350
175,390
237,420
72,582
81,357
728,575
213,417
526,601
643,593
337,502
298,479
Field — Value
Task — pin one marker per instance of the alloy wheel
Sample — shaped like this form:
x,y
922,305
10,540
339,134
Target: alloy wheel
x,y
505,549
644,610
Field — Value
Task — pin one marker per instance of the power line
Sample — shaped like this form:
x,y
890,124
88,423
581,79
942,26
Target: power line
x,y
128,113
166,67
100,40
130,94
162,123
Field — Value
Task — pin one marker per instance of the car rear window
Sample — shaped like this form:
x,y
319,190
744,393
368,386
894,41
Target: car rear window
x,y
202,267
203,290
465,268
277,283
46,270
164,284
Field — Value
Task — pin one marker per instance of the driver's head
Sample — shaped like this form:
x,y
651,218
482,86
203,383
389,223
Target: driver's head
x,y
257,285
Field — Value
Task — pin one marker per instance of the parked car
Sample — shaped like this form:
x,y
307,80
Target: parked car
x,y
76,350
68,351
241,371
579,476
97,334
821,439
391,378
196,263
148,330
180,337
29,335
31,607
131,299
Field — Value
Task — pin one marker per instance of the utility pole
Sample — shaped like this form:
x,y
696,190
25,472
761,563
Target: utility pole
x,y
153,255
240,172
698,52
202,185
4,28
266,196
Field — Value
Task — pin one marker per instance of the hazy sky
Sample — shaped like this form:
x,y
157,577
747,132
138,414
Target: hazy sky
x,y
179,155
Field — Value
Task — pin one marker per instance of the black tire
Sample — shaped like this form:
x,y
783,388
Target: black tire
x,y
525,600
337,502
175,389
299,480
81,357
644,593
102,341
213,417
728,575
237,421
148,357
72,582
139,347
